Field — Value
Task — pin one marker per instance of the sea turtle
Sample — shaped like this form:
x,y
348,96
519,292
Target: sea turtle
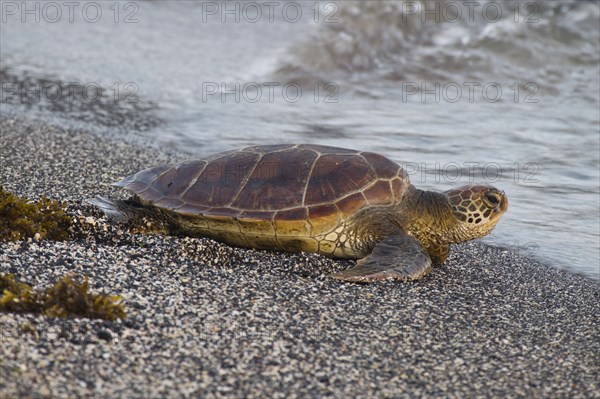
x,y
333,201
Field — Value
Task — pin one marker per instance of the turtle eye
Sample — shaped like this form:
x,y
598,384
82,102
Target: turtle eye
x,y
491,199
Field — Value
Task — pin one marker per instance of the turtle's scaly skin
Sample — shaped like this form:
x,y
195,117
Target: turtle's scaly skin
x,y
281,197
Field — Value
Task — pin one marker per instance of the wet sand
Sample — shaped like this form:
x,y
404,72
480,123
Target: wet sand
x,y
207,320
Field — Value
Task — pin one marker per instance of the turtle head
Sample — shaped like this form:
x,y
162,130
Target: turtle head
x,y
477,209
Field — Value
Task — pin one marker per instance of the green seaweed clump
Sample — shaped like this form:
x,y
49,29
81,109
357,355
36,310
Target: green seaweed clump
x,y
64,299
21,219
17,297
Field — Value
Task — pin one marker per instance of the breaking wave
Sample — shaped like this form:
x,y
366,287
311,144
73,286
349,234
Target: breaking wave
x,y
383,41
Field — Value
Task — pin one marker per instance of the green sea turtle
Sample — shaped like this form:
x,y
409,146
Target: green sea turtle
x,y
333,201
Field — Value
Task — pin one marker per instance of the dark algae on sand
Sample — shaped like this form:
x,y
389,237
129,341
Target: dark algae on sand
x,y
66,298
21,219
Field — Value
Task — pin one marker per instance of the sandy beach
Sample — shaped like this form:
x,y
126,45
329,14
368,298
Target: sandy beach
x,y
207,320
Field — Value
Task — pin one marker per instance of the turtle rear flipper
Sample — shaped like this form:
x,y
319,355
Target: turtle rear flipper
x,y
112,208
120,210
398,256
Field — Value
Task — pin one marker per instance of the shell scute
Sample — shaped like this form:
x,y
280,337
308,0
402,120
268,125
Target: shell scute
x,y
222,219
257,222
324,218
163,182
292,222
222,213
334,176
191,209
169,203
133,185
220,181
250,216
294,244
278,181
149,175
383,167
399,187
151,195
292,214
142,180
380,193
176,182
351,204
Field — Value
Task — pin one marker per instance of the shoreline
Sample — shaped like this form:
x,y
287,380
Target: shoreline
x,y
207,320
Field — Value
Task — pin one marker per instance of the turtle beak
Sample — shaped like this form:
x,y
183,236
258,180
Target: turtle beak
x,y
504,203
502,206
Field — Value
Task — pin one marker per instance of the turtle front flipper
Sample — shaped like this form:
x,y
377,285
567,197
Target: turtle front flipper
x,y
398,256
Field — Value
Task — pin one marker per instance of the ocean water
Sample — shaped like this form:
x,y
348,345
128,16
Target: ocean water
x,y
501,92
